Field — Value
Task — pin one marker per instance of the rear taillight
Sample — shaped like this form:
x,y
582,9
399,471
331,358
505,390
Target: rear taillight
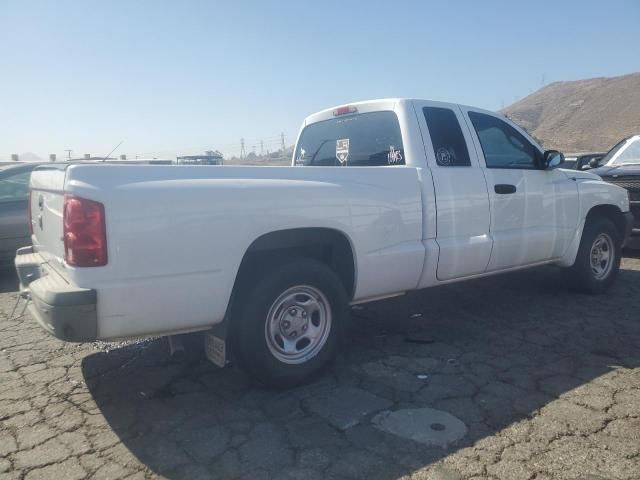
x,y
29,212
85,234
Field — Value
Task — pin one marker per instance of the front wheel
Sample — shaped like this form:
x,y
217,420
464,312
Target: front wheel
x,y
598,259
290,322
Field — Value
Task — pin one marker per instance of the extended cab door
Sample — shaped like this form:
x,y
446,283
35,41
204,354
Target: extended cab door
x,y
533,212
462,218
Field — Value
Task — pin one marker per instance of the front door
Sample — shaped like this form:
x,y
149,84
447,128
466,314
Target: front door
x,y
533,211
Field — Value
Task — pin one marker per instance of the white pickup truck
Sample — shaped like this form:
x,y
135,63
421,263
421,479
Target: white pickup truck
x,y
382,197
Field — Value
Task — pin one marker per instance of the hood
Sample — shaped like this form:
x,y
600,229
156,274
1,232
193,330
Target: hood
x,y
610,171
581,174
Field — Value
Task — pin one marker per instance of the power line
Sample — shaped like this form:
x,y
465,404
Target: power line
x,y
243,154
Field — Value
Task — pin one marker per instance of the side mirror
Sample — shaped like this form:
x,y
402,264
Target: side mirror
x,y
594,162
552,159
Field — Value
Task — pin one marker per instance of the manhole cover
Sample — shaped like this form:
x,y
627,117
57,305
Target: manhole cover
x,y
428,426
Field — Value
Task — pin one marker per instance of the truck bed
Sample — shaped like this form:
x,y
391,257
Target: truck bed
x,y
176,235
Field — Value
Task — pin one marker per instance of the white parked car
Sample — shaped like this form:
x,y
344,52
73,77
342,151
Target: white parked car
x,y
382,197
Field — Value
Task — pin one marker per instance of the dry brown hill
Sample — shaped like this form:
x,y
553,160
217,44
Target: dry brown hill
x,y
583,115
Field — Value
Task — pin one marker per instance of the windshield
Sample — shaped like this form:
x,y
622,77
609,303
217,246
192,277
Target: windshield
x,y
626,152
367,139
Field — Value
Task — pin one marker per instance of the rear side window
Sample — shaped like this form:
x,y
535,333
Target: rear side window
x,y
362,140
449,146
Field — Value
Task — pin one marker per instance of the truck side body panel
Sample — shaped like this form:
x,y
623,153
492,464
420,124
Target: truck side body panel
x,y
176,236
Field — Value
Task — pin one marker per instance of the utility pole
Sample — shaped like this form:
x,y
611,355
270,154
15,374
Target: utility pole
x,y
243,153
282,142
253,149
68,154
261,148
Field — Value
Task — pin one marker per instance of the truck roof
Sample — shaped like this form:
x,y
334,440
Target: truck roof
x,y
364,106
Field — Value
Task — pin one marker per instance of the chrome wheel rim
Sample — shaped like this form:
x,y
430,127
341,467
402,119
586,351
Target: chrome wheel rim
x,y
601,256
298,324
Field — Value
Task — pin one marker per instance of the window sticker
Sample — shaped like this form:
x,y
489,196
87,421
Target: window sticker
x,y
443,157
301,158
342,150
394,157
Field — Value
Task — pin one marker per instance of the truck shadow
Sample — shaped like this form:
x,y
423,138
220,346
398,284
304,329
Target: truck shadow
x,y
496,353
632,252
8,279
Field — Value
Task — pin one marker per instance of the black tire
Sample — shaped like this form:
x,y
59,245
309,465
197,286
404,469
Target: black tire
x,y
581,276
249,323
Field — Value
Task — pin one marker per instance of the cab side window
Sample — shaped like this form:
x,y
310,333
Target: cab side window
x,y
448,141
503,146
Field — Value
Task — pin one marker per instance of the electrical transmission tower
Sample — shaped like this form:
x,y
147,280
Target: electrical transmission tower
x,y
282,142
243,153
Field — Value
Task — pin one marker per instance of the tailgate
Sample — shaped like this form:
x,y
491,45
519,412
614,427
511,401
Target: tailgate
x,y
47,198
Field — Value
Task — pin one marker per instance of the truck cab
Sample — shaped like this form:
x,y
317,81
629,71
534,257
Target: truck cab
x,y
492,199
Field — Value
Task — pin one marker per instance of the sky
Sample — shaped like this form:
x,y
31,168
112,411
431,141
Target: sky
x,y
179,77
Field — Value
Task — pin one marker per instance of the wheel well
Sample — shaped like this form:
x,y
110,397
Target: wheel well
x,y
611,212
326,245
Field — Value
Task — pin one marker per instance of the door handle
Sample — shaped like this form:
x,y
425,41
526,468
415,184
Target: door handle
x,y
504,188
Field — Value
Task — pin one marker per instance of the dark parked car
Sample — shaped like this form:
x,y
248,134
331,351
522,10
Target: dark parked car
x,y
621,166
14,221
583,162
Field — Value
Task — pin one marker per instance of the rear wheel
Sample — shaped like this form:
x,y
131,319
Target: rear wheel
x,y
598,259
290,322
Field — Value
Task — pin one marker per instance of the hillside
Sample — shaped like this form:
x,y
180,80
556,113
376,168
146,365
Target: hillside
x,y
583,115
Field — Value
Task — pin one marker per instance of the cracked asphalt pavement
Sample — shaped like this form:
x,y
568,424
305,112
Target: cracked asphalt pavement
x,y
547,383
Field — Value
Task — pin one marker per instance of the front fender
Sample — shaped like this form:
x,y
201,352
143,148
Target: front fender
x,y
593,192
